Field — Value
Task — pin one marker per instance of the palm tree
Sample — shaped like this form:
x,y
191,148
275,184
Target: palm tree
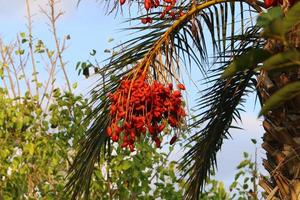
x,y
170,45
281,111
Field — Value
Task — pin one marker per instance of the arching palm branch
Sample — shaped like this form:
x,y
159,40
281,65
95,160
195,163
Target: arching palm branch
x,y
163,49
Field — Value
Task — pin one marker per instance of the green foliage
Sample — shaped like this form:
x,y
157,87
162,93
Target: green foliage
x,y
147,174
215,190
37,146
244,186
83,67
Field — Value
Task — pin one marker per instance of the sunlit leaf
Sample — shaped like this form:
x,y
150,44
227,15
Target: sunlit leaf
x,y
286,93
265,19
282,61
246,61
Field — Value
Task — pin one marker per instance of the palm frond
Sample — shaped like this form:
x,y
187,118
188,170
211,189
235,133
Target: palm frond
x,y
223,99
219,106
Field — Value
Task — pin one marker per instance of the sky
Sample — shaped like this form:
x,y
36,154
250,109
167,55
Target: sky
x,y
89,29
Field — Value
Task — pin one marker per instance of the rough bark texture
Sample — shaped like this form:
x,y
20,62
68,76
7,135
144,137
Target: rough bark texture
x,y
282,133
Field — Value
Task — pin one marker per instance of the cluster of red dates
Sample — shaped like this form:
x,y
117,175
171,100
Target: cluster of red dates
x,y
168,9
273,3
138,107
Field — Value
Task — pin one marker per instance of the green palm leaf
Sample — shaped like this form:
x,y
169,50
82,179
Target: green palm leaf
x,y
219,105
247,60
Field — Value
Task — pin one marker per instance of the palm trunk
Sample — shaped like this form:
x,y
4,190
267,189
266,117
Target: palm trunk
x,y
282,133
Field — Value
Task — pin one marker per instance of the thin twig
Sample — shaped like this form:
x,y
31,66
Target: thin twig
x,y
22,66
6,67
31,48
53,18
12,62
51,73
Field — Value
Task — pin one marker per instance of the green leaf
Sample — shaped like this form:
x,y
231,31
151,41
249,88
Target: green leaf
x,y
20,52
282,61
246,61
265,19
245,186
29,148
253,141
272,23
110,40
22,34
244,163
159,184
288,92
274,30
1,72
113,78
74,85
24,40
93,52
50,53
107,51
233,185
78,65
39,85
124,165
292,17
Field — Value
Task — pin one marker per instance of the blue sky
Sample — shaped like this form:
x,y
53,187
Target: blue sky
x,y
89,29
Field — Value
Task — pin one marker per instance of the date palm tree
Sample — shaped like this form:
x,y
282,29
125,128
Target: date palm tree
x,y
246,57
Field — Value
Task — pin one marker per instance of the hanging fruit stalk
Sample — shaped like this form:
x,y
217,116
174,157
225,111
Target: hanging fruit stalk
x,y
140,108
